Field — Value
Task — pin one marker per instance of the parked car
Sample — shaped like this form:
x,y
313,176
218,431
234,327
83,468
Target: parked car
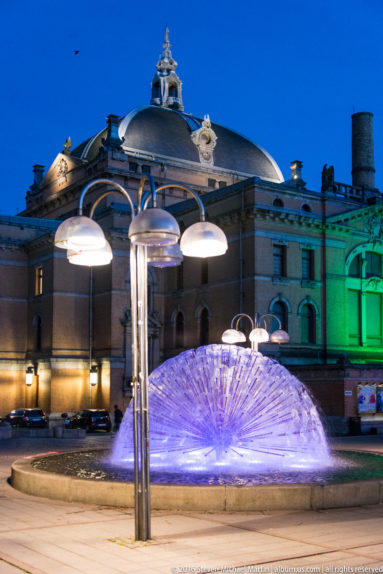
x,y
90,420
27,418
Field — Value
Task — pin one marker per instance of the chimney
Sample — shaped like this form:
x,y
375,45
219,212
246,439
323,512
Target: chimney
x,y
363,168
38,174
112,140
296,173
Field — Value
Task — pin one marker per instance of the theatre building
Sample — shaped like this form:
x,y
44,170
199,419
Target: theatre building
x,y
311,257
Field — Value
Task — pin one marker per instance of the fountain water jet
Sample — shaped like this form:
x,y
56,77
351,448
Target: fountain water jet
x,y
223,408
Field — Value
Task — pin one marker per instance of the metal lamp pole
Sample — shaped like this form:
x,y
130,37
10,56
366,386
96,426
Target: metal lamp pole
x,y
140,379
87,245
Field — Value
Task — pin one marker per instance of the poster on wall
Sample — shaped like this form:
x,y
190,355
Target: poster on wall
x,y
379,399
366,400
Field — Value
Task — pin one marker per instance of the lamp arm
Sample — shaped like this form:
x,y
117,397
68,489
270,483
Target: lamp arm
x,y
262,317
153,191
202,215
145,199
98,200
110,182
239,317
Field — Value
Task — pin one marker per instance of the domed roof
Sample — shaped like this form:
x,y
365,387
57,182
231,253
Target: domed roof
x,y
166,133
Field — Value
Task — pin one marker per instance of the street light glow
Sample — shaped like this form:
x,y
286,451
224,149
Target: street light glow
x,y
259,335
203,239
79,232
91,257
154,226
232,336
164,255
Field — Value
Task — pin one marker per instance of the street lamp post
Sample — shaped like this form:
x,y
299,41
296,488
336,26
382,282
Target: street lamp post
x,y
259,332
154,229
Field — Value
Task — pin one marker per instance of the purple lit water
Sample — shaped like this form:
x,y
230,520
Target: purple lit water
x,y
226,409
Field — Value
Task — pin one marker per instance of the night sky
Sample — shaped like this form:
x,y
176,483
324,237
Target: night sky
x,y
288,75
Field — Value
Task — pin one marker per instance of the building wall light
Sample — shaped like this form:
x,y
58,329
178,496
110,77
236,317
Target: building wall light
x,y
93,376
29,376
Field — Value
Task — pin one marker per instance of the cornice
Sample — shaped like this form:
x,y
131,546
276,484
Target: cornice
x,y
12,245
356,214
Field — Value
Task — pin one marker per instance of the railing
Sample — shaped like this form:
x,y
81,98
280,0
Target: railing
x,y
347,191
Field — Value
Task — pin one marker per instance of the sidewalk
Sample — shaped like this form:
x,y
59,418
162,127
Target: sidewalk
x,y
43,536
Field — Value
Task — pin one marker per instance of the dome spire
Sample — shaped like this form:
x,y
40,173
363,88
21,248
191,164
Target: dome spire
x,y
166,85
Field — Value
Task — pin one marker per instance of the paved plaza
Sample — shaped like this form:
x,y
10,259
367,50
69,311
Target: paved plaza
x,y
41,536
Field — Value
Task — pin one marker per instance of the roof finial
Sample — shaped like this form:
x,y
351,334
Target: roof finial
x,y
166,85
166,64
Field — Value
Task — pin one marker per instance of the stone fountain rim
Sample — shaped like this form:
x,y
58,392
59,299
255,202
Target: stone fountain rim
x,y
208,498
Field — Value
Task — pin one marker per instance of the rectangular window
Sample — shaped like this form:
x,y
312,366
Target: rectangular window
x,y
374,318
38,280
204,272
354,317
279,260
308,264
133,166
211,182
373,264
146,169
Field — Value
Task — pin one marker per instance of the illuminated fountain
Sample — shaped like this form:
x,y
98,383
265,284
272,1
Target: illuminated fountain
x,y
224,408
231,430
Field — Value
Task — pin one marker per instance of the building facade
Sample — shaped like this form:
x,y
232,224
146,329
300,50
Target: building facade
x,y
312,258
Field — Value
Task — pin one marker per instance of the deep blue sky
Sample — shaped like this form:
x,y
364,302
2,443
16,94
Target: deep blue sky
x,y
286,74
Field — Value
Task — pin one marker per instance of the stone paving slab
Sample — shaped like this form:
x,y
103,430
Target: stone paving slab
x,y
40,536
6,568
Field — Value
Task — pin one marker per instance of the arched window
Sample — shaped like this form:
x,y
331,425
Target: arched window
x,y
365,295
204,327
156,90
305,207
279,309
373,264
355,269
278,202
308,327
365,265
180,330
173,90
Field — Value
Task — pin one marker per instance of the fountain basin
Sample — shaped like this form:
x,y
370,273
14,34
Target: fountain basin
x,y
211,498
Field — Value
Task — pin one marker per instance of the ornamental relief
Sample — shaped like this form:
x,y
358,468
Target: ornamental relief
x,y
373,225
62,170
205,140
373,284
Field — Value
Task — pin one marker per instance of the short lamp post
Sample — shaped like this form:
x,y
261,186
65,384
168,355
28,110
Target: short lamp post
x,y
259,332
154,235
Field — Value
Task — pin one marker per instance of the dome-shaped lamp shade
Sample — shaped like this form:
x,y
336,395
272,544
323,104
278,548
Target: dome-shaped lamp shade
x,y
279,336
203,239
259,335
78,232
154,226
164,255
91,257
232,336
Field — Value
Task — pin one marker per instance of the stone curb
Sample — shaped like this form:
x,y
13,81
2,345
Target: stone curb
x,y
201,498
